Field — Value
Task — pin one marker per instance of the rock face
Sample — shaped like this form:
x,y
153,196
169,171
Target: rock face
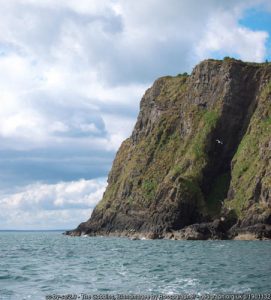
x,y
198,163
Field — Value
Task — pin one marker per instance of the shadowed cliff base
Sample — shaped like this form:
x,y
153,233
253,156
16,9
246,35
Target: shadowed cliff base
x,y
197,165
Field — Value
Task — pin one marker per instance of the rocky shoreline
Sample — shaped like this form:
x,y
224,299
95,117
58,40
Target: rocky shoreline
x,y
219,229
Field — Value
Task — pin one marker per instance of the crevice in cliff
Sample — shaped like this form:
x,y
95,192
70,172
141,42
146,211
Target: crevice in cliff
x,y
238,108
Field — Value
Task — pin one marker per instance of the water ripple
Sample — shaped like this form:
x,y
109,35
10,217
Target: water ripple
x,y
35,264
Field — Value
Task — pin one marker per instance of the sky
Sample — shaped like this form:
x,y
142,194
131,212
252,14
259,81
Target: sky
x,y
72,73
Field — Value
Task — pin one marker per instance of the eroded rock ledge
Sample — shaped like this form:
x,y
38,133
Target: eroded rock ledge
x,y
198,163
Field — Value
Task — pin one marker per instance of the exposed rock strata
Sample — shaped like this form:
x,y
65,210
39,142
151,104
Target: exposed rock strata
x,y
197,165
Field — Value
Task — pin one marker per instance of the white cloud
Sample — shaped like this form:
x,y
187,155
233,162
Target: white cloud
x,y
223,34
34,204
118,129
74,55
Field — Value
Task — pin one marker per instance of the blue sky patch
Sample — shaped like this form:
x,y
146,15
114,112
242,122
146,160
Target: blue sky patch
x,y
259,19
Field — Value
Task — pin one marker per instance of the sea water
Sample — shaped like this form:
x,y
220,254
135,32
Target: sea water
x,y
36,264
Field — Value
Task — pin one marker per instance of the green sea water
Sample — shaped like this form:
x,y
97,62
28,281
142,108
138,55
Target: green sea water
x,y
36,264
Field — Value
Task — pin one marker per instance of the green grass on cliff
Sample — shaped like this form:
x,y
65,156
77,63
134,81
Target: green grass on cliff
x,y
149,187
173,87
204,122
218,194
210,119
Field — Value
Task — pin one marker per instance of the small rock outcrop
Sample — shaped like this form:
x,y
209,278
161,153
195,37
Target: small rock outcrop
x,y
198,163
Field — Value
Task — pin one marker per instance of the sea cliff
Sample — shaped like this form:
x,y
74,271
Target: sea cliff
x,y
198,162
